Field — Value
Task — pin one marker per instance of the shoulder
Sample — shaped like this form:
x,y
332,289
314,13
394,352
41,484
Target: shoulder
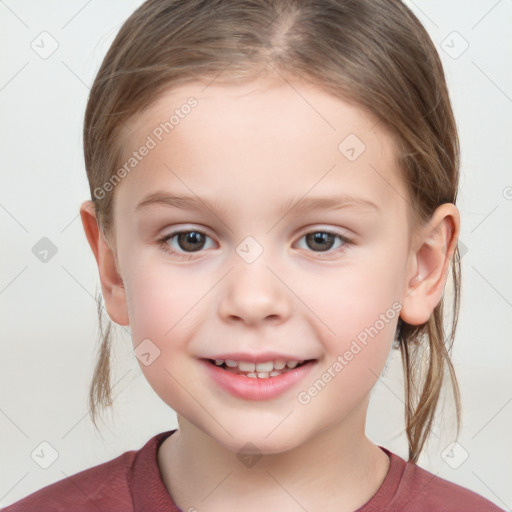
x,y
422,491
102,487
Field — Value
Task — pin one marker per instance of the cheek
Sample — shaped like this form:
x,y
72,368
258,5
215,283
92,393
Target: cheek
x,y
359,307
361,311
161,310
159,302
151,304
354,298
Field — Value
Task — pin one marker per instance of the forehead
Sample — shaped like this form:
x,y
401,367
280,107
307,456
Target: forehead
x,y
264,138
264,106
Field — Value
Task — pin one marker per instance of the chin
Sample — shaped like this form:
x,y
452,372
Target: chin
x,y
255,439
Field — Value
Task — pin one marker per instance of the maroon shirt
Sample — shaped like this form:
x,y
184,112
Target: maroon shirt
x,y
132,482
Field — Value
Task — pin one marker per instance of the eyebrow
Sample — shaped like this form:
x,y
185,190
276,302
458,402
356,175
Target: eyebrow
x,y
302,205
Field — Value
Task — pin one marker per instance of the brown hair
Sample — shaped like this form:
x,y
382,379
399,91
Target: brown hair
x,y
374,53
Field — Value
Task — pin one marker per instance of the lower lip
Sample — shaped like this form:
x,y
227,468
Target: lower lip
x,y
250,388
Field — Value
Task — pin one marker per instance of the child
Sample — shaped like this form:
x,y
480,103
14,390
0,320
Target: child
x,y
265,130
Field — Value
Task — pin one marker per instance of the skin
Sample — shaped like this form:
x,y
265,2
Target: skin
x,y
252,148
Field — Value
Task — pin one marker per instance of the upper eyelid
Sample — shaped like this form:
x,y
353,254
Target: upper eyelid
x,y
302,232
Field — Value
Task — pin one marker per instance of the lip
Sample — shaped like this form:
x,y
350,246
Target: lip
x,y
253,388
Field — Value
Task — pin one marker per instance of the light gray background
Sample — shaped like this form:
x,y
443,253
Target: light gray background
x,y
49,325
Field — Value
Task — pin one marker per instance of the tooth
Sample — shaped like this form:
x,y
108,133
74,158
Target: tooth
x,y
244,366
218,362
279,365
275,373
231,363
292,364
252,375
262,375
265,367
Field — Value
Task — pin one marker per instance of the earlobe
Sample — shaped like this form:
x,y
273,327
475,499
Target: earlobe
x,y
429,263
112,286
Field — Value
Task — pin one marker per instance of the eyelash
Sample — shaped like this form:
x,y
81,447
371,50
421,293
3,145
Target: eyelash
x,y
188,256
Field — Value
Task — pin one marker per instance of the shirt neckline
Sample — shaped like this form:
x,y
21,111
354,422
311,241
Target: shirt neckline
x,y
149,492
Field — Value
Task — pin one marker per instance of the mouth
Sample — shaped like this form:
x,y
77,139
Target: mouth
x,y
257,376
263,370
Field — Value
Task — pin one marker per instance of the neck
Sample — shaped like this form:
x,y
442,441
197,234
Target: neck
x,y
338,469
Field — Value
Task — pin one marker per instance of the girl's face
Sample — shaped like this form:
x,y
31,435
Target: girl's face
x,y
297,250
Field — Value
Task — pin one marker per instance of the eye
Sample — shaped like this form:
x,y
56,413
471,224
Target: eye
x,y
185,242
324,241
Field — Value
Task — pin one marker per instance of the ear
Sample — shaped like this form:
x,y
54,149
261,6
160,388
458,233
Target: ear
x,y
429,262
112,287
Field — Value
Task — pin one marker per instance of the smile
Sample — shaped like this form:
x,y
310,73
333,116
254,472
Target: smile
x,y
257,381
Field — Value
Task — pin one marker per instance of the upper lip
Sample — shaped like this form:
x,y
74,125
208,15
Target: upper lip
x,y
258,357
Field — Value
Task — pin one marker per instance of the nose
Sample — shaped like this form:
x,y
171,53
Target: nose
x,y
253,293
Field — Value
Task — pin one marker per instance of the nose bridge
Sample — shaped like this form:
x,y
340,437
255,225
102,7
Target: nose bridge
x,y
252,292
